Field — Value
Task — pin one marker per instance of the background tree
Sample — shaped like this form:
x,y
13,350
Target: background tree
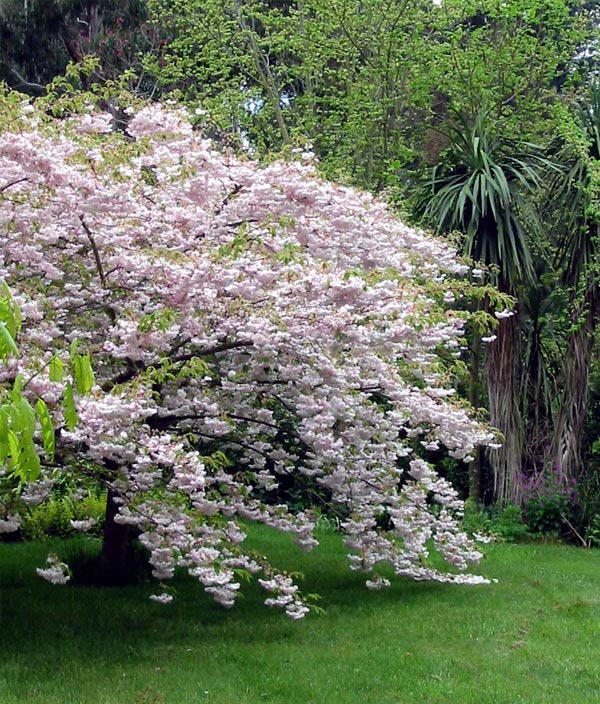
x,y
576,197
366,83
39,39
482,188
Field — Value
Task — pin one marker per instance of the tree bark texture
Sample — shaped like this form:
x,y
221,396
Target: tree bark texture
x,y
568,430
503,361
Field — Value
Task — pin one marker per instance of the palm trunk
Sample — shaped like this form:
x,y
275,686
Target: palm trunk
x,y
536,409
503,359
568,431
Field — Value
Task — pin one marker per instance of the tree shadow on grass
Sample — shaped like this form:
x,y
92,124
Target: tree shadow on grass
x,y
40,623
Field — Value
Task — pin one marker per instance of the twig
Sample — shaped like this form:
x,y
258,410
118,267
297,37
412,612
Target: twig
x,y
13,183
88,232
572,527
236,189
24,83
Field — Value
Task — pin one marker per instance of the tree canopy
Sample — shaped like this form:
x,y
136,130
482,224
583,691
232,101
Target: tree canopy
x,y
248,326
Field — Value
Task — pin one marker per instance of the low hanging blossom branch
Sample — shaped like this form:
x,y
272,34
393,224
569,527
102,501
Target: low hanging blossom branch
x,y
259,323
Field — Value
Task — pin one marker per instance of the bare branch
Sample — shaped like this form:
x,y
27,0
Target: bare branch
x,y
236,189
13,183
88,232
24,83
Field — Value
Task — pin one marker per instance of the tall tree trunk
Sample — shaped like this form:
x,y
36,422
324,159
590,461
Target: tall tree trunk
x,y
264,75
474,400
503,359
568,430
537,394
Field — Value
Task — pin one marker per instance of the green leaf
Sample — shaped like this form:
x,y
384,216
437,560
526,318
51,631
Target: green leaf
x,y
23,418
57,369
17,389
29,468
10,313
7,344
69,409
4,446
47,426
14,447
84,374
81,365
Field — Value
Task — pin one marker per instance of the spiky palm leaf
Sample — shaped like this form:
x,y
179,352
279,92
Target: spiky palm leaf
x,y
481,189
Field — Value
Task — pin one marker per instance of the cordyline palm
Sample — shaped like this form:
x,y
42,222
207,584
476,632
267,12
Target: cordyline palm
x,y
483,189
577,198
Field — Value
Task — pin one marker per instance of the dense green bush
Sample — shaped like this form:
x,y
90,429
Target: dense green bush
x,y
504,523
52,518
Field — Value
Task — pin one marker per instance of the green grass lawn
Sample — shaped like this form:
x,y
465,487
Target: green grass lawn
x,y
534,637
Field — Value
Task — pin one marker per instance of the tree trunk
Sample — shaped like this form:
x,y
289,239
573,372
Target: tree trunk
x,y
474,400
264,75
503,359
116,557
537,407
568,430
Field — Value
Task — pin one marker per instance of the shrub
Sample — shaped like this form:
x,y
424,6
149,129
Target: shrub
x,y
505,523
549,503
52,518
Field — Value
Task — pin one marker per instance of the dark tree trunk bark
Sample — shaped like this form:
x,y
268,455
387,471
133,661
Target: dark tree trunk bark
x,y
117,555
536,409
474,400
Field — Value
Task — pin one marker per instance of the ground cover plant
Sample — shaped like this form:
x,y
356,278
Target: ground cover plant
x,y
531,637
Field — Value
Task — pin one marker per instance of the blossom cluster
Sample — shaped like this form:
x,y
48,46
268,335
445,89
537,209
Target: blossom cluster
x,y
245,323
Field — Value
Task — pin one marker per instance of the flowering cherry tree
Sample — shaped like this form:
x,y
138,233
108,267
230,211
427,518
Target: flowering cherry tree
x,y
245,324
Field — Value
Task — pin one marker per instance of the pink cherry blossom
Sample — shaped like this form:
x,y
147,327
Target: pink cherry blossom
x,y
245,323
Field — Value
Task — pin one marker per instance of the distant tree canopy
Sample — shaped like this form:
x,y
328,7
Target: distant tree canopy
x,y
368,83
38,39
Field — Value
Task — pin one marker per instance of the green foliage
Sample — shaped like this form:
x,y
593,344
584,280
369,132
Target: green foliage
x,y
549,504
39,39
508,523
369,85
82,369
19,420
545,516
592,533
502,523
51,519
10,324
